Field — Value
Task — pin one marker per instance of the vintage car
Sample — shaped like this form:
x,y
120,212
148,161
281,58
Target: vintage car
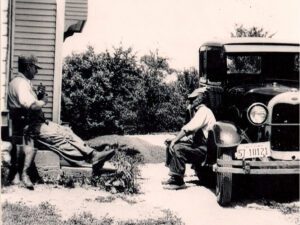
x,y
253,87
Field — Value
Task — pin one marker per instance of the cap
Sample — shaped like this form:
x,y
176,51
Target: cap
x,y
197,92
29,60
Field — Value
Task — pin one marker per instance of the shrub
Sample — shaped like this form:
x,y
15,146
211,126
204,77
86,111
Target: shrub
x,y
116,93
124,178
4,175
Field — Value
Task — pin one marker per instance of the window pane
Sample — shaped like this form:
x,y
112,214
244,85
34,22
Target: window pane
x,y
243,64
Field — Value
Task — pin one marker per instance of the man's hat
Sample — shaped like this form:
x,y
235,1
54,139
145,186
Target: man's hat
x,y
31,59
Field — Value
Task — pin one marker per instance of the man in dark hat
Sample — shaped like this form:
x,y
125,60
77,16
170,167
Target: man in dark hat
x,y
189,146
28,121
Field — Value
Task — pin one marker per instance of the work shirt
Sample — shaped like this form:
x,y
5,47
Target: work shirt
x,y
21,93
203,119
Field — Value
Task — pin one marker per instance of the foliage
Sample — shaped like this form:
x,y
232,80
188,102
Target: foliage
x,y
97,87
111,198
117,93
20,214
124,178
4,174
46,214
167,219
160,110
241,31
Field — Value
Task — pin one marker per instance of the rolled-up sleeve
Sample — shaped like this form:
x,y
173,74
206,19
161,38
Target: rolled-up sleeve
x,y
197,122
24,94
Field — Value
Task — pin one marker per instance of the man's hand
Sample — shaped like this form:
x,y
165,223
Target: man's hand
x,y
171,146
39,103
178,137
45,99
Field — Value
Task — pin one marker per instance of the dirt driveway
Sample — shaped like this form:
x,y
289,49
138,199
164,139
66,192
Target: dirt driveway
x,y
195,205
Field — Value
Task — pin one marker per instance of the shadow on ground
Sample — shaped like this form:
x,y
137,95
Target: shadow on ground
x,y
259,188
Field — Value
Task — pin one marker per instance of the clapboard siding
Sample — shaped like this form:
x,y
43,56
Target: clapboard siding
x,y
35,33
35,30
32,41
38,6
35,12
36,53
37,18
35,36
36,47
36,24
4,59
47,60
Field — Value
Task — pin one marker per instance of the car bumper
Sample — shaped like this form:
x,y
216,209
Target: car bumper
x,y
257,167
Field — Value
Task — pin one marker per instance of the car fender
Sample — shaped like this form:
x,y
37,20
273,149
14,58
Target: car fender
x,y
226,135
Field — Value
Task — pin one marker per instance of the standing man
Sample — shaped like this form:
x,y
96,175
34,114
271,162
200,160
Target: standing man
x,y
28,120
189,146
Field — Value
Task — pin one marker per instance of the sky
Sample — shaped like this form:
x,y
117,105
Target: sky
x,y
177,28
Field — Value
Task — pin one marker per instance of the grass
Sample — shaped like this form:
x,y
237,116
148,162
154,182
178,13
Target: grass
x,y
151,153
168,219
111,198
45,213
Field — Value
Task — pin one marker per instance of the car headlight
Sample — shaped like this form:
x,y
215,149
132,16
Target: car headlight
x,y
257,113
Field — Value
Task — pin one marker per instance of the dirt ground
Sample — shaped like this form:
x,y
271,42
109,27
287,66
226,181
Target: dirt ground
x,y
195,205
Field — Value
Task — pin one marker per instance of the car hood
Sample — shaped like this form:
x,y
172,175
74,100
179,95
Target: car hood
x,y
262,92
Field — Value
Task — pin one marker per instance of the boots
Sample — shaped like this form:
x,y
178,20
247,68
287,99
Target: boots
x,y
15,171
99,158
29,153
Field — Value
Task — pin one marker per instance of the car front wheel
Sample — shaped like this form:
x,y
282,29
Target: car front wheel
x,y
224,181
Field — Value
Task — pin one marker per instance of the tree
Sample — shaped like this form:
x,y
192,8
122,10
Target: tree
x,y
114,92
97,90
161,109
241,31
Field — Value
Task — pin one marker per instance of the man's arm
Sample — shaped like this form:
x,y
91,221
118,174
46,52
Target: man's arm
x,y
38,104
180,135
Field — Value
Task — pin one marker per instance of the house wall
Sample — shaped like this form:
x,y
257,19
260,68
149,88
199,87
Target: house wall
x,y
35,33
38,27
4,50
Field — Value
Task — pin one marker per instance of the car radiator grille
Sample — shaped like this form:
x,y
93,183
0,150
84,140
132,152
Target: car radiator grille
x,y
285,137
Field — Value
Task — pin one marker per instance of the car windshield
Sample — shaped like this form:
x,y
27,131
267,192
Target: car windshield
x,y
283,66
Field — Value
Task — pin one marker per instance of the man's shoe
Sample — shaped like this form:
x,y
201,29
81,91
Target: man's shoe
x,y
16,180
174,183
175,186
101,157
26,181
171,180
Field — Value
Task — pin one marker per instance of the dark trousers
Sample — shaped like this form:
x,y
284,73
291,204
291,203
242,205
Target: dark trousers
x,y
184,152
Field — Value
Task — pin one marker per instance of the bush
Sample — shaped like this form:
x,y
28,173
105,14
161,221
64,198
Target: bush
x,y
115,93
124,178
4,175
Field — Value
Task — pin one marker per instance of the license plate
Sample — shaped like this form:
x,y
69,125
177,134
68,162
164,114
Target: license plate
x,y
253,150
